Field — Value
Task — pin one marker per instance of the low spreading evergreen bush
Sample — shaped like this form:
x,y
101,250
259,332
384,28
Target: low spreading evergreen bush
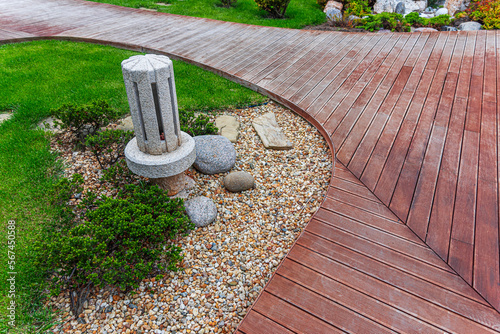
x,y
108,146
486,12
85,120
111,241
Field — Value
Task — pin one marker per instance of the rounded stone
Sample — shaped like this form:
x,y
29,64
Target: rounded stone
x,y
214,154
441,11
201,210
238,181
400,8
164,165
469,26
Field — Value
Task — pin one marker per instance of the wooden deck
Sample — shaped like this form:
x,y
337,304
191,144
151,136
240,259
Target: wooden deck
x,y
407,239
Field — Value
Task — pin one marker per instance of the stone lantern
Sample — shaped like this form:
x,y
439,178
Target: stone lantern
x,y
160,150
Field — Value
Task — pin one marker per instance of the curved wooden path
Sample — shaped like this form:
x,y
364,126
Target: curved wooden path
x,y
407,239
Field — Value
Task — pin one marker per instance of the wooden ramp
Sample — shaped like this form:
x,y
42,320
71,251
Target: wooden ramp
x,y
407,239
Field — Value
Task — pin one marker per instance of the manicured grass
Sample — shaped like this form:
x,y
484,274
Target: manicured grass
x,y
37,77
299,14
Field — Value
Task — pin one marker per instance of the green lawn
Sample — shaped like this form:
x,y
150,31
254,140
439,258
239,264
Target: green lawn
x,y
299,14
39,76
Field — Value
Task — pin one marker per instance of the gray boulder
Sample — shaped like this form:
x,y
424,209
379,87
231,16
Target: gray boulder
x,y
469,26
441,11
238,181
448,28
400,8
201,210
214,154
334,14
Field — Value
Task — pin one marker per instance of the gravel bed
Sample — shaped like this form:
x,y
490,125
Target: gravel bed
x,y
227,263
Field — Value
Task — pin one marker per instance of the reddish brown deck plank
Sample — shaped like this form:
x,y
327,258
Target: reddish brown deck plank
x,y
415,116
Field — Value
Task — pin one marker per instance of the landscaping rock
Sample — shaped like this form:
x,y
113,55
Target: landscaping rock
x,y
427,15
400,8
214,154
334,14
4,117
270,132
333,4
125,124
201,210
470,26
424,29
454,6
228,127
441,11
390,5
49,125
448,28
238,181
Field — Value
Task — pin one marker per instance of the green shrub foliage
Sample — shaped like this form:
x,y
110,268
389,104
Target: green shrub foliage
x,y
357,8
108,146
275,8
396,22
114,241
196,125
87,119
322,3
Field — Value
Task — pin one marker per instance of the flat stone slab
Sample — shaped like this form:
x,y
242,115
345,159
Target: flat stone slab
x,y
4,117
270,132
125,124
49,125
228,127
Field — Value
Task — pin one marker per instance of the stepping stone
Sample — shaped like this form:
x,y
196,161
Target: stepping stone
x,y
4,117
270,132
228,127
49,125
125,124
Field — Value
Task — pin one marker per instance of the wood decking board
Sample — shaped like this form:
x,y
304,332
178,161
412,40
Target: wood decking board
x,y
348,137
309,80
407,238
309,67
337,107
339,88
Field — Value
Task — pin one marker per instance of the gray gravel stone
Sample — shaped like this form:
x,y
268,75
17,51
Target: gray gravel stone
x,y
214,154
469,26
201,210
448,28
238,181
334,14
400,8
441,11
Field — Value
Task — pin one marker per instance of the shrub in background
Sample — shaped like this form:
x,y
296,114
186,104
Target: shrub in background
x,y
390,21
275,8
357,8
85,120
486,12
228,3
322,3
115,241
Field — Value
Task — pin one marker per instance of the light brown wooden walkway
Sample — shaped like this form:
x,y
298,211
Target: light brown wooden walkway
x,y
407,239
